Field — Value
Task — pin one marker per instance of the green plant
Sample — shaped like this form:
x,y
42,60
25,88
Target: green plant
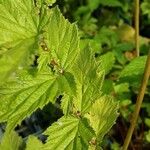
x,y
108,27
30,28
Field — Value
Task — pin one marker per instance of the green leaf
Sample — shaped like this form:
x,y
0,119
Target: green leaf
x,y
9,62
148,136
20,97
33,143
115,146
124,46
107,37
135,67
20,27
11,141
107,65
19,21
121,88
89,79
147,121
103,115
145,6
61,41
69,133
93,4
107,87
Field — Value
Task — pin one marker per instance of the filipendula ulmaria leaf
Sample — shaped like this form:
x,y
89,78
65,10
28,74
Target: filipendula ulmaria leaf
x,y
33,143
89,79
20,97
103,115
21,24
19,21
61,41
14,58
73,132
69,133
11,141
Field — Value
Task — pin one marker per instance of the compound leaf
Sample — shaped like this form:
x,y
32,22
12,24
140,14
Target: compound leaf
x,y
26,94
89,79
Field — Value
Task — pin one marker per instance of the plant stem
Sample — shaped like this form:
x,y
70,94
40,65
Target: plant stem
x,y
138,103
137,12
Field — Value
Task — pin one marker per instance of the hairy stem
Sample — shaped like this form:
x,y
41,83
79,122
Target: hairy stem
x,y
137,12
138,103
